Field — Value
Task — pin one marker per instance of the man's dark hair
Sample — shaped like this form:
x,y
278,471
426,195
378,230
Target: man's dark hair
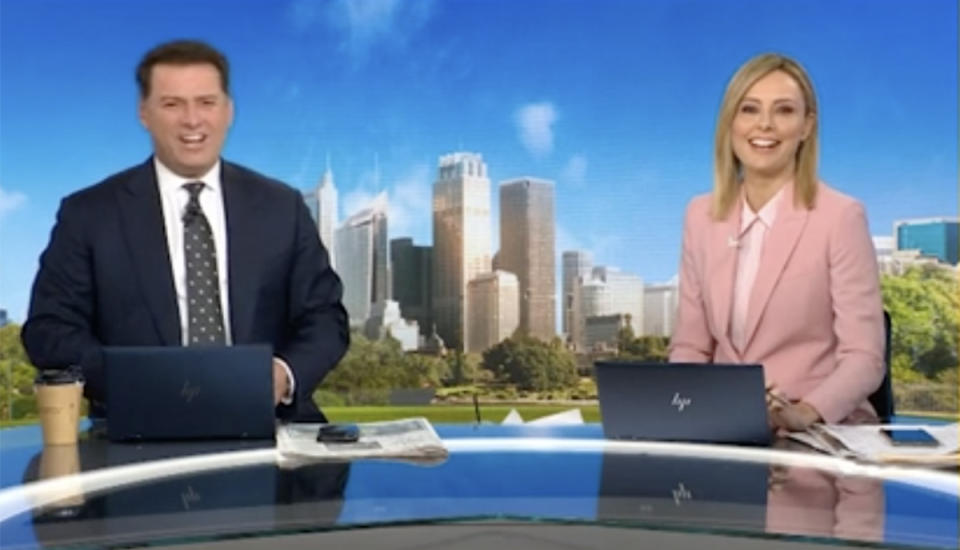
x,y
182,52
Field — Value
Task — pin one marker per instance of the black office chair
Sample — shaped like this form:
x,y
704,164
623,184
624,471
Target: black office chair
x,y
882,398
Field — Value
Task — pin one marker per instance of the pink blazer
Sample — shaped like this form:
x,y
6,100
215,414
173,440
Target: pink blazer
x,y
815,319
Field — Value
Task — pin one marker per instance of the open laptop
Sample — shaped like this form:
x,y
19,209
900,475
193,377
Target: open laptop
x,y
156,393
712,403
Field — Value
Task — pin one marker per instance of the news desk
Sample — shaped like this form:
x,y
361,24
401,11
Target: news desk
x,y
501,487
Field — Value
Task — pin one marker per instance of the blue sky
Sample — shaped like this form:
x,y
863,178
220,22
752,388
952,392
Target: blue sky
x,y
613,100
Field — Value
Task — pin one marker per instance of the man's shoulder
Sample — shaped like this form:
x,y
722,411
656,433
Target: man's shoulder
x,y
241,175
107,187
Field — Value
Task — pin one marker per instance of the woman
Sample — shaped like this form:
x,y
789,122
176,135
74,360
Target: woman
x,y
777,267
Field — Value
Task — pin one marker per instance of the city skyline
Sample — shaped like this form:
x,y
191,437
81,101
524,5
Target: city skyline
x,y
614,101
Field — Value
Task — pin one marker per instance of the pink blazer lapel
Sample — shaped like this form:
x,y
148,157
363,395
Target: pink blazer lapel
x,y
722,269
779,246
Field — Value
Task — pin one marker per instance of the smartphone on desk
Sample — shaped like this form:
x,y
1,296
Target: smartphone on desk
x,y
338,433
910,437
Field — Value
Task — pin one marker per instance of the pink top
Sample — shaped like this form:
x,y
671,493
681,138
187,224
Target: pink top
x,y
814,318
754,227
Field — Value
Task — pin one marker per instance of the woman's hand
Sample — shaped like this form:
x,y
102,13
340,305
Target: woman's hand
x,y
793,416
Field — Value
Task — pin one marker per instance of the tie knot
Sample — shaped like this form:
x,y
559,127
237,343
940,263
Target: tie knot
x,y
193,205
194,188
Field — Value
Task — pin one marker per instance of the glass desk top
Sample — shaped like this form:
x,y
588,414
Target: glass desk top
x,y
521,486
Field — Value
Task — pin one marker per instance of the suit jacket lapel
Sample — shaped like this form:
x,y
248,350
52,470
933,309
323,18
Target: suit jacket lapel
x,y
240,207
722,269
779,246
141,215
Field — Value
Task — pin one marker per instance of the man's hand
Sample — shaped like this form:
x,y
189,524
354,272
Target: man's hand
x,y
281,383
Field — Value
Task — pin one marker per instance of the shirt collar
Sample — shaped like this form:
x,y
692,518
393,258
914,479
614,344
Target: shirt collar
x,y
767,213
169,181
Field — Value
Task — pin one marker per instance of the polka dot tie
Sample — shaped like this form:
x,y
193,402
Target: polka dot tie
x,y
204,316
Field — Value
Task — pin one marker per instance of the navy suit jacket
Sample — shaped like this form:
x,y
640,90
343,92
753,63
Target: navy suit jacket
x,y
105,280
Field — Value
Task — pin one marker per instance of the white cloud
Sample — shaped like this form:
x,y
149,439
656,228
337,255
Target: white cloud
x,y
365,24
575,172
410,207
10,201
535,126
408,211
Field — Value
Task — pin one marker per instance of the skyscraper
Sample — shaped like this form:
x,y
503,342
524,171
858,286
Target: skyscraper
x,y
461,239
527,249
412,273
322,203
608,291
494,300
576,264
931,236
362,242
660,303
327,213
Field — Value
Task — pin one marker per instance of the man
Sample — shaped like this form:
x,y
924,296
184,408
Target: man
x,y
187,249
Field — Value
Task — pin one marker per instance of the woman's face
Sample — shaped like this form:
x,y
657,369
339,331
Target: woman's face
x,y
770,123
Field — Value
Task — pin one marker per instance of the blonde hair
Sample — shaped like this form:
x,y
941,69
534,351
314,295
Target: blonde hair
x,y
726,167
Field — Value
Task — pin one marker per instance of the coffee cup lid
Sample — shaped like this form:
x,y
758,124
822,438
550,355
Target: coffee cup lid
x,y
68,375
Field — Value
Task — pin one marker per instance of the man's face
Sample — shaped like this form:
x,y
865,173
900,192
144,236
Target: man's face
x,y
187,114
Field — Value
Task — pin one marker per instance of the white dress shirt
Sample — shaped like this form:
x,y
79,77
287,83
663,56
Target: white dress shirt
x,y
174,198
754,227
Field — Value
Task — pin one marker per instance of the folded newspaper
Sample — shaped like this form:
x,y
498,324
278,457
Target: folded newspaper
x,y
867,442
410,438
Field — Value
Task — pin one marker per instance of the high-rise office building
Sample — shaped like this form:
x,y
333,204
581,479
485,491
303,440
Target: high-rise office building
x,y
4,320
322,203
327,213
385,320
607,291
461,239
412,273
527,249
601,333
576,264
660,303
494,302
363,267
936,237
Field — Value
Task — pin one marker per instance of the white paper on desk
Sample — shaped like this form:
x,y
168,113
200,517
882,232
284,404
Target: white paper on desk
x,y
564,418
513,417
867,441
404,438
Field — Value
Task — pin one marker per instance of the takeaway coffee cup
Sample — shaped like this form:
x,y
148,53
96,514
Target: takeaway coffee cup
x,y
59,392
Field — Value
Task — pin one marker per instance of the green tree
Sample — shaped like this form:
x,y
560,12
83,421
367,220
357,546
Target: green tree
x,y
371,369
924,307
645,348
16,376
531,364
466,368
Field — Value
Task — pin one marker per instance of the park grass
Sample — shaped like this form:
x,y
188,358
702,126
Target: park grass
x,y
437,414
462,414
453,414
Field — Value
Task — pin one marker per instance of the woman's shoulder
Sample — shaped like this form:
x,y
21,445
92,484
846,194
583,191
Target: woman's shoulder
x,y
699,206
831,202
